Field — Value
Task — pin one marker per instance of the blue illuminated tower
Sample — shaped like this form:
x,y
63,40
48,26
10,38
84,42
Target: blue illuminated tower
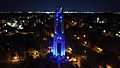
x,y
59,39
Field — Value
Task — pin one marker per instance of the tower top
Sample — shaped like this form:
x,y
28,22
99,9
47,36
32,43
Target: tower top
x,y
59,2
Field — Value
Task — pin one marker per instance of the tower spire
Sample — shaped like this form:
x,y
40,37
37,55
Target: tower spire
x,y
59,2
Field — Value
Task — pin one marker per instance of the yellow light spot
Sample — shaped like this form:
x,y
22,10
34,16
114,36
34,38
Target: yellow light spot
x,y
85,42
99,49
35,54
84,35
73,59
52,35
117,34
108,66
75,35
70,49
9,24
78,37
15,57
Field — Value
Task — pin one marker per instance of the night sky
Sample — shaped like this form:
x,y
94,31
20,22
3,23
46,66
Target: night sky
x,y
69,5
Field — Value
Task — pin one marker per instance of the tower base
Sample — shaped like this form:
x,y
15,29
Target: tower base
x,y
59,59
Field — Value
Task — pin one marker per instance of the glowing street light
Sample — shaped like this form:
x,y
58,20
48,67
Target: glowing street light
x,y
35,54
14,59
69,50
104,31
117,34
75,35
85,43
108,66
78,38
98,50
73,59
72,21
52,35
84,35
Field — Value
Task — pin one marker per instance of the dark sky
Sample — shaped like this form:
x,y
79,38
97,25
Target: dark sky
x,y
69,5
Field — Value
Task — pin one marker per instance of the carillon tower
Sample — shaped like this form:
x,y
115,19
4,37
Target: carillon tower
x,y
59,38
